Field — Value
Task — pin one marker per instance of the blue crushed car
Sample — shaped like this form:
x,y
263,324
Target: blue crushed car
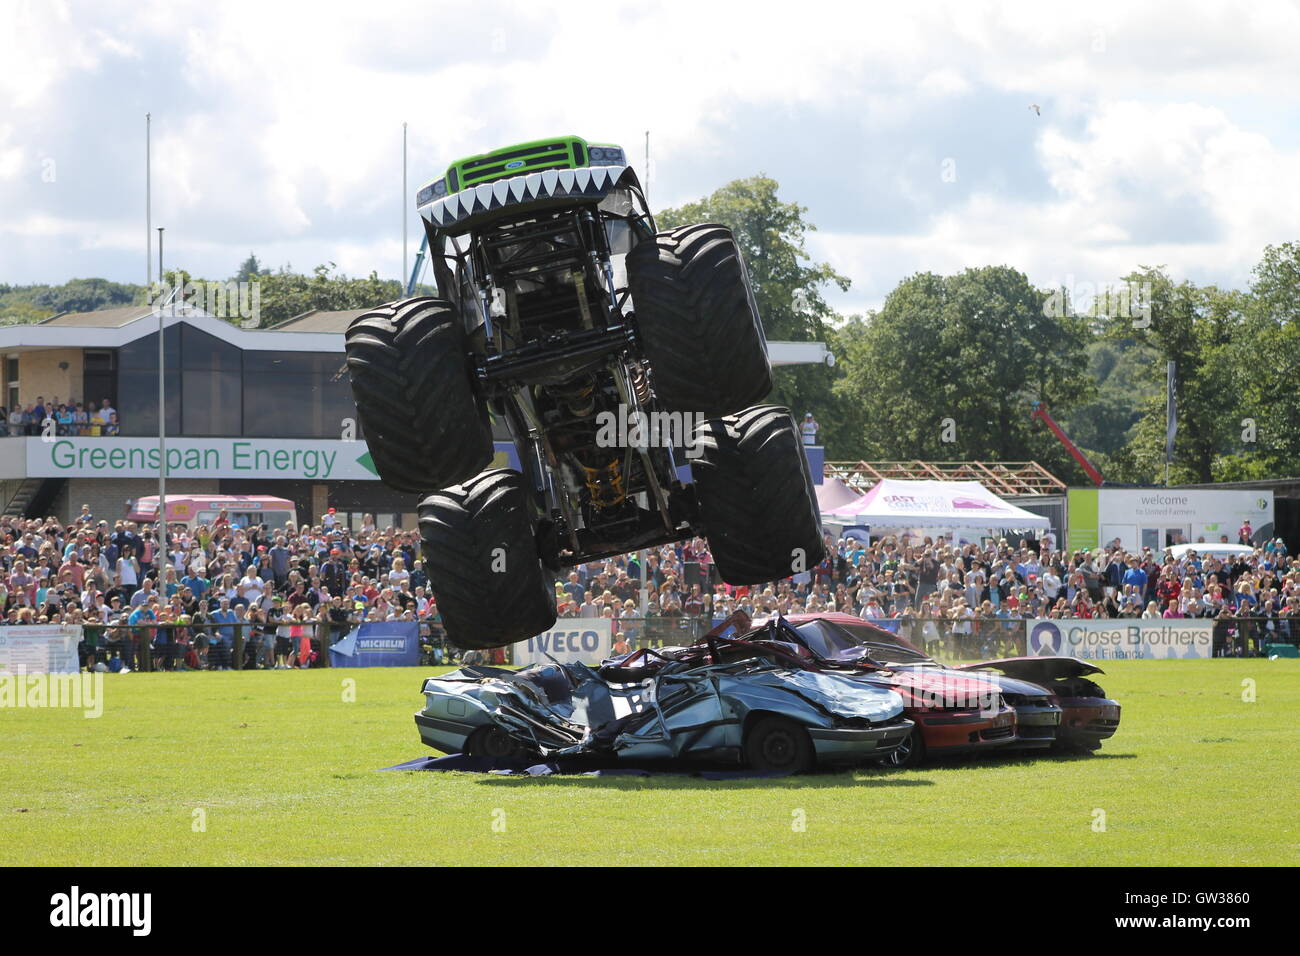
x,y
752,703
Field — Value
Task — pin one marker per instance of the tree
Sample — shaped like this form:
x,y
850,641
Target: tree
x,y
1266,358
950,366
285,294
1196,328
249,269
85,295
787,288
1120,368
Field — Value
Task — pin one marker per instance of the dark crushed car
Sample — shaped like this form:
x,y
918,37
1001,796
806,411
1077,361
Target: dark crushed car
x,y
1088,716
1021,703
752,702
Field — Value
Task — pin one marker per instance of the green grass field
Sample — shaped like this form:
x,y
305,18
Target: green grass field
x,y
283,770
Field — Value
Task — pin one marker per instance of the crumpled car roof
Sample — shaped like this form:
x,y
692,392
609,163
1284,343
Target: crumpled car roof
x,y
670,709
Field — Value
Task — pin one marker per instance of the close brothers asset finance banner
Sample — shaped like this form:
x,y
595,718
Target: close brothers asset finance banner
x,y
39,649
585,640
1120,638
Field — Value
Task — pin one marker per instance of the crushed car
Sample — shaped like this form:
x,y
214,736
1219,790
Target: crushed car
x,y
1020,703
722,700
1088,716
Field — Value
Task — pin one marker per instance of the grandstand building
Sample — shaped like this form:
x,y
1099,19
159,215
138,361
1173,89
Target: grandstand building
x,y
248,412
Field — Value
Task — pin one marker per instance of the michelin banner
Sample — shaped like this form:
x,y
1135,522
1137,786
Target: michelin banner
x,y
40,649
379,644
585,640
1121,638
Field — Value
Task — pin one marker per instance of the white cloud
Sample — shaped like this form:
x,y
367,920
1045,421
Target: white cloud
x,y
1164,134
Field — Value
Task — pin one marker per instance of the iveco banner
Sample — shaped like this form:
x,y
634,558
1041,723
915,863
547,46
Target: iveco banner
x,y
1120,638
583,640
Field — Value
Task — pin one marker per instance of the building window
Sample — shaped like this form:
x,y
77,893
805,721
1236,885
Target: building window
x,y
296,394
11,380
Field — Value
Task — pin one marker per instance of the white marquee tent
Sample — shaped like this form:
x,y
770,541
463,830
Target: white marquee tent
x,y
894,503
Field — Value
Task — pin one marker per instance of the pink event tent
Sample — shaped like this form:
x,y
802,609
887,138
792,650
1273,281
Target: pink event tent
x,y
933,504
835,493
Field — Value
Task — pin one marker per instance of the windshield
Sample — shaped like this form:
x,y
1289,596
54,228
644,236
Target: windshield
x,y
834,640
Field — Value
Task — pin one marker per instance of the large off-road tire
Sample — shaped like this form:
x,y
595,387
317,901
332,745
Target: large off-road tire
x,y
698,322
412,378
755,491
480,554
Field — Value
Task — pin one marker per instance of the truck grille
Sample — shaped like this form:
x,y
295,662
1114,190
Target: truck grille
x,y
561,154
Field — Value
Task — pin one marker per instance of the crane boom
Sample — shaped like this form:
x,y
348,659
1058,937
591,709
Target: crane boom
x,y
1040,412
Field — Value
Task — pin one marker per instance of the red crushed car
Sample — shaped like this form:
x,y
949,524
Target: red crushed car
x,y
992,704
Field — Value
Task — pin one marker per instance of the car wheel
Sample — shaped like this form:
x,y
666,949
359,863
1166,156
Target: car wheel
x,y
778,745
910,753
492,741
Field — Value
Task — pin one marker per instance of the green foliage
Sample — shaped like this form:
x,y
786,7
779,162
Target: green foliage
x,y
1120,368
249,269
788,289
32,303
285,294
1197,328
949,367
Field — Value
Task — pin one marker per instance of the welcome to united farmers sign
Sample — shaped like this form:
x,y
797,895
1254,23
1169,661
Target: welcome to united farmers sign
x,y
311,459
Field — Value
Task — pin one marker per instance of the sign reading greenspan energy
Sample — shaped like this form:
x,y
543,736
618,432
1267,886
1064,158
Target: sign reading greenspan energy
x,y
309,459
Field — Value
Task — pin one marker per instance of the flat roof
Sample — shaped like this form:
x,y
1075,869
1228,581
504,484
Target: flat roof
x,y
317,320
99,319
313,331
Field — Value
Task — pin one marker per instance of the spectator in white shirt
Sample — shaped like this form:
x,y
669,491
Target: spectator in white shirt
x,y
250,585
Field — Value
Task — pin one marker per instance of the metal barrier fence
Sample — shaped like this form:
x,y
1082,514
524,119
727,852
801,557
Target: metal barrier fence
x,y
166,646
151,647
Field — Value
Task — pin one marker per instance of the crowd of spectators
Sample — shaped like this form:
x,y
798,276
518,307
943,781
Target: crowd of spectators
x,y
289,592
938,591
68,418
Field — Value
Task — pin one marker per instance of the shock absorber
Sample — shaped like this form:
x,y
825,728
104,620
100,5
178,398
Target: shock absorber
x,y
605,484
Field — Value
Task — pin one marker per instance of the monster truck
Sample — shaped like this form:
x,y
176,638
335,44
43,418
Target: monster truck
x,y
616,355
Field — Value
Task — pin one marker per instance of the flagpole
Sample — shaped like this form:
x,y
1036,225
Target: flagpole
x,y
402,276
148,206
1171,414
162,417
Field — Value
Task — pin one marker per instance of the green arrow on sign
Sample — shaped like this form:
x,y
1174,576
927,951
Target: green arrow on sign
x,y
368,463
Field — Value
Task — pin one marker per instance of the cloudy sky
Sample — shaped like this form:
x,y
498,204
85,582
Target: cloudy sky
x,y
1168,132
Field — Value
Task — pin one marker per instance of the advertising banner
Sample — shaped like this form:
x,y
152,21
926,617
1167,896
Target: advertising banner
x,y
39,649
1121,638
585,640
379,644
305,459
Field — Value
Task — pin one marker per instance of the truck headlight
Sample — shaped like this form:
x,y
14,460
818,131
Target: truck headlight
x,y
435,190
606,155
